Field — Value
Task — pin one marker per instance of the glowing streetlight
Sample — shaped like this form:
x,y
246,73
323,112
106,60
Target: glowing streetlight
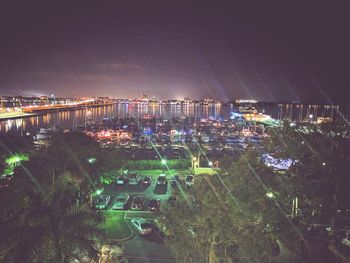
x,y
92,160
270,195
163,163
94,194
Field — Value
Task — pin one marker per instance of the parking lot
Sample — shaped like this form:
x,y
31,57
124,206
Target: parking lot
x,y
198,145
138,247
149,191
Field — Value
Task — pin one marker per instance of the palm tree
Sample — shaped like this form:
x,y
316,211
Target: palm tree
x,y
57,225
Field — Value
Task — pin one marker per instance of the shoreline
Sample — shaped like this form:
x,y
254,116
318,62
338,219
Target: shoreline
x,y
21,116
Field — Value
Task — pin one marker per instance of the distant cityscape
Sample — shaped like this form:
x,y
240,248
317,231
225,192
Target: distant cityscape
x,y
13,107
24,101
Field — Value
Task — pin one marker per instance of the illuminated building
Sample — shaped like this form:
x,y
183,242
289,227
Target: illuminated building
x,y
321,120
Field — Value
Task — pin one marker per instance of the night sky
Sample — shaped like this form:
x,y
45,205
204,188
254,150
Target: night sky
x,y
198,49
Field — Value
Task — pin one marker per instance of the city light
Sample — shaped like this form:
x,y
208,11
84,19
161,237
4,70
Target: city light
x,y
92,160
277,163
270,195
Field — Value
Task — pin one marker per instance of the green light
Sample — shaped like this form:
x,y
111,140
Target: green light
x,y
8,171
270,195
16,159
99,191
163,161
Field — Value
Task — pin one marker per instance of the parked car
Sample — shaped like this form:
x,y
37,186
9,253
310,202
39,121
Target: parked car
x,y
142,225
133,179
103,201
189,180
138,202
121,180
120,201
161,179
147,180
175,180
154,205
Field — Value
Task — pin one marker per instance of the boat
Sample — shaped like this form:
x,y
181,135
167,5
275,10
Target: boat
x,y
247,110
205,138
45,133
43,137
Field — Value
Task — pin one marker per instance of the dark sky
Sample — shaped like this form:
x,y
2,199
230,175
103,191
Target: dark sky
x,y
175,49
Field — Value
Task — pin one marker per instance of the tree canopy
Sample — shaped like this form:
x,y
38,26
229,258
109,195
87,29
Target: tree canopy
x,y
238,215
52,223
45,213
225,217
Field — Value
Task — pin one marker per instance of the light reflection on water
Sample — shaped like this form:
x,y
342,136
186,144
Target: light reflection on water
x,y
73,119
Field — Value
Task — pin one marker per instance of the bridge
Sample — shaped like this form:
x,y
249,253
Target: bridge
x,y
68,106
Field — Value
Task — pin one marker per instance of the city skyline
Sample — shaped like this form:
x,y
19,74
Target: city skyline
x,y
216,50
145,98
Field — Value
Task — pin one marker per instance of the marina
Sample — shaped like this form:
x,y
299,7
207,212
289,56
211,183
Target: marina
x,y
70,119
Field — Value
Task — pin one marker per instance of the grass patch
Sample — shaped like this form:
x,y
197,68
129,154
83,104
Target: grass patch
x,y
157,164
157,172
205,170
115,225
